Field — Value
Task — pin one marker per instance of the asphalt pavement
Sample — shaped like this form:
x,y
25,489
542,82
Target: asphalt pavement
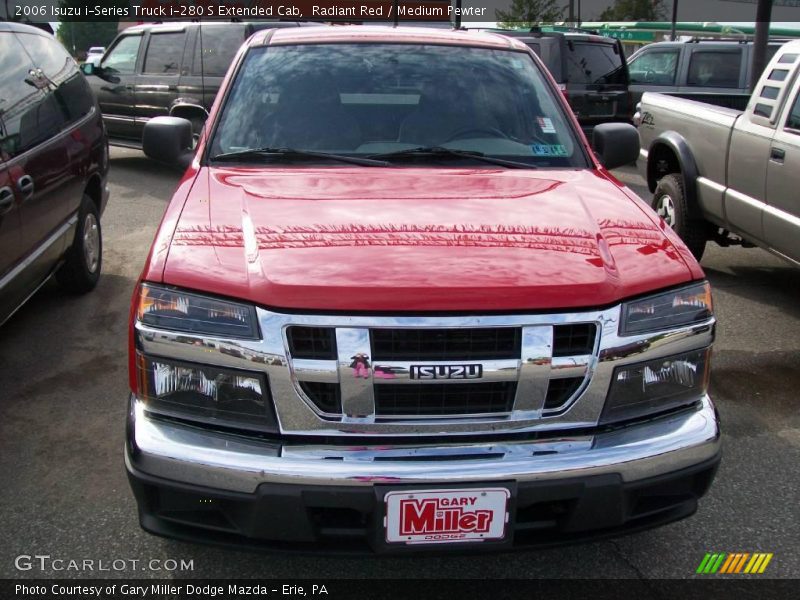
x,y
64,493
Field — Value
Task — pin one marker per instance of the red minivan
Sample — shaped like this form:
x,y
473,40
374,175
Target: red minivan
x,y
53,168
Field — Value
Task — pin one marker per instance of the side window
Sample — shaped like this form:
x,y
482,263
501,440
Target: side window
x,y
22,102
71,92
164,54
654,67
793,122
219,46
709,68
121,59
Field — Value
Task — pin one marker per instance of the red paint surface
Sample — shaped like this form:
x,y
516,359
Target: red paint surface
x,y
413,239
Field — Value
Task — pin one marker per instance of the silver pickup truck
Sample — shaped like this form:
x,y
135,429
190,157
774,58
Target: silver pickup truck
x,y
726,175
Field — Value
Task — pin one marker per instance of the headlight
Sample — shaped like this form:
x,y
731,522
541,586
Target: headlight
x,y
656,385
183,311
677,308
203,393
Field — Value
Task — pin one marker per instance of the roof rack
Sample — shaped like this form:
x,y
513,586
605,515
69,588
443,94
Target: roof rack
x,y
697,40
563,29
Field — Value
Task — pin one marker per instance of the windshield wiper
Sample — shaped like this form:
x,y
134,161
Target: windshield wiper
x,y
291,153
442,152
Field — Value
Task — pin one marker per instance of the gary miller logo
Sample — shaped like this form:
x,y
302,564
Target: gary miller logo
x,y
734,563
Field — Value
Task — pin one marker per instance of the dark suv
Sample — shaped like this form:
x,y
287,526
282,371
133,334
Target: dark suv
x,y
53,167
170,69
590,69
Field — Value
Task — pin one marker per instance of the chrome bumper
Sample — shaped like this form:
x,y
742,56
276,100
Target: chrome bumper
x,y
195,456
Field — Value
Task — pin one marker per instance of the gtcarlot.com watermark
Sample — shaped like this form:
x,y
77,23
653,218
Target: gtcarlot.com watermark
x,y
45,562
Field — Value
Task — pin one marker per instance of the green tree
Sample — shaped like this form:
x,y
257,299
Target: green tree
x,y
527,13
78,36
635,10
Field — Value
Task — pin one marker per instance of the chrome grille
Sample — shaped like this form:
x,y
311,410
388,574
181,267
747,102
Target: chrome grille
x,y
412,373
446,344
312,342
426,400
572,339
302,407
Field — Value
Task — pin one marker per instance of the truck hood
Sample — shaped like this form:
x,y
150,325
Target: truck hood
x,y
419,239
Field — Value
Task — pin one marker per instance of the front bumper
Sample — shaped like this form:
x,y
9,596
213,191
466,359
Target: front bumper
x,y
201,485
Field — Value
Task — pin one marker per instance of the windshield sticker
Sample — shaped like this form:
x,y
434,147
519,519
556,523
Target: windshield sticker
x,y
549,150
546,125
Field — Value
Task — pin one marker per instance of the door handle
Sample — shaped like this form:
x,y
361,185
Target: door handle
x,y
25,186
777,154
6,199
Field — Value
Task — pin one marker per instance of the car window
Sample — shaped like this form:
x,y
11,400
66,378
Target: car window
x,y
709,68
594,63
26,114
654,67
121,59
366,99
164,53
793,122
70,89
219,46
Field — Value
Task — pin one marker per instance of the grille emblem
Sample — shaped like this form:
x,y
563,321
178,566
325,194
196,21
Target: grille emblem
x,y
446,371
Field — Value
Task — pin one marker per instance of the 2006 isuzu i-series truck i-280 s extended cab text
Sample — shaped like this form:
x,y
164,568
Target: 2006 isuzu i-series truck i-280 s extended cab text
x,y
397,304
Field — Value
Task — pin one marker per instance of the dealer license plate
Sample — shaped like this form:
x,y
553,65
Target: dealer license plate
x,y
446,516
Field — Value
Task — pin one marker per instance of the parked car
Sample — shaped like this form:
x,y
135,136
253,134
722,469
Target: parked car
x,y
712,71
165,69
590,69
455,329
726,175
95,54
53,167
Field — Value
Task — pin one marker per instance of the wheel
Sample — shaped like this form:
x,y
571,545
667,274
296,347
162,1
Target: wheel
x,y
461,133
81,270
669,201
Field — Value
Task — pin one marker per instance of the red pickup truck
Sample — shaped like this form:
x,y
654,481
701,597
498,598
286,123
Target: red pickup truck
x,y
397,304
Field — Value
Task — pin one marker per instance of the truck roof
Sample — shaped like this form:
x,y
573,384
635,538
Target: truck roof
x,y
377,34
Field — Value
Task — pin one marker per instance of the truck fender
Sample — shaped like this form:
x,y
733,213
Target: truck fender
x,y
671,147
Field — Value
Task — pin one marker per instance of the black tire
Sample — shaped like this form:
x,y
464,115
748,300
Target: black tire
x,y
669,201
81,270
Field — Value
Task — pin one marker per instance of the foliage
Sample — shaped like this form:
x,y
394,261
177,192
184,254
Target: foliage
x,y
635,10
527,13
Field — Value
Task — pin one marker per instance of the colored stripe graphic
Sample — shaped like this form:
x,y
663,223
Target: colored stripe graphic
x,y
733,559
734,562
701,568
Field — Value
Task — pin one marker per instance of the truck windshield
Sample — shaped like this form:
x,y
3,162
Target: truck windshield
x,y
389,101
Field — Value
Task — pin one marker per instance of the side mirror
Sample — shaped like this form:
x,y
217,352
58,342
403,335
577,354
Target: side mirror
x,y
168,140
616,144
89,69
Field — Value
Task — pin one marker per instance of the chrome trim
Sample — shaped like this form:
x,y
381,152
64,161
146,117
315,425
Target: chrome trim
x,y
322,371
55,237
712,185
536,359
493,371
195,456
358,404
297,415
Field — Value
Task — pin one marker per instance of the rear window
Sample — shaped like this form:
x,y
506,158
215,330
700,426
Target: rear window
x,y
711,68
594,63
215,48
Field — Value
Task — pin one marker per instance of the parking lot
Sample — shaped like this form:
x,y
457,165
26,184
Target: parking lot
x,y
63,372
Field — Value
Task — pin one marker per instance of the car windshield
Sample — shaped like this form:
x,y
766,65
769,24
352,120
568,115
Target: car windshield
x,y
384,100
